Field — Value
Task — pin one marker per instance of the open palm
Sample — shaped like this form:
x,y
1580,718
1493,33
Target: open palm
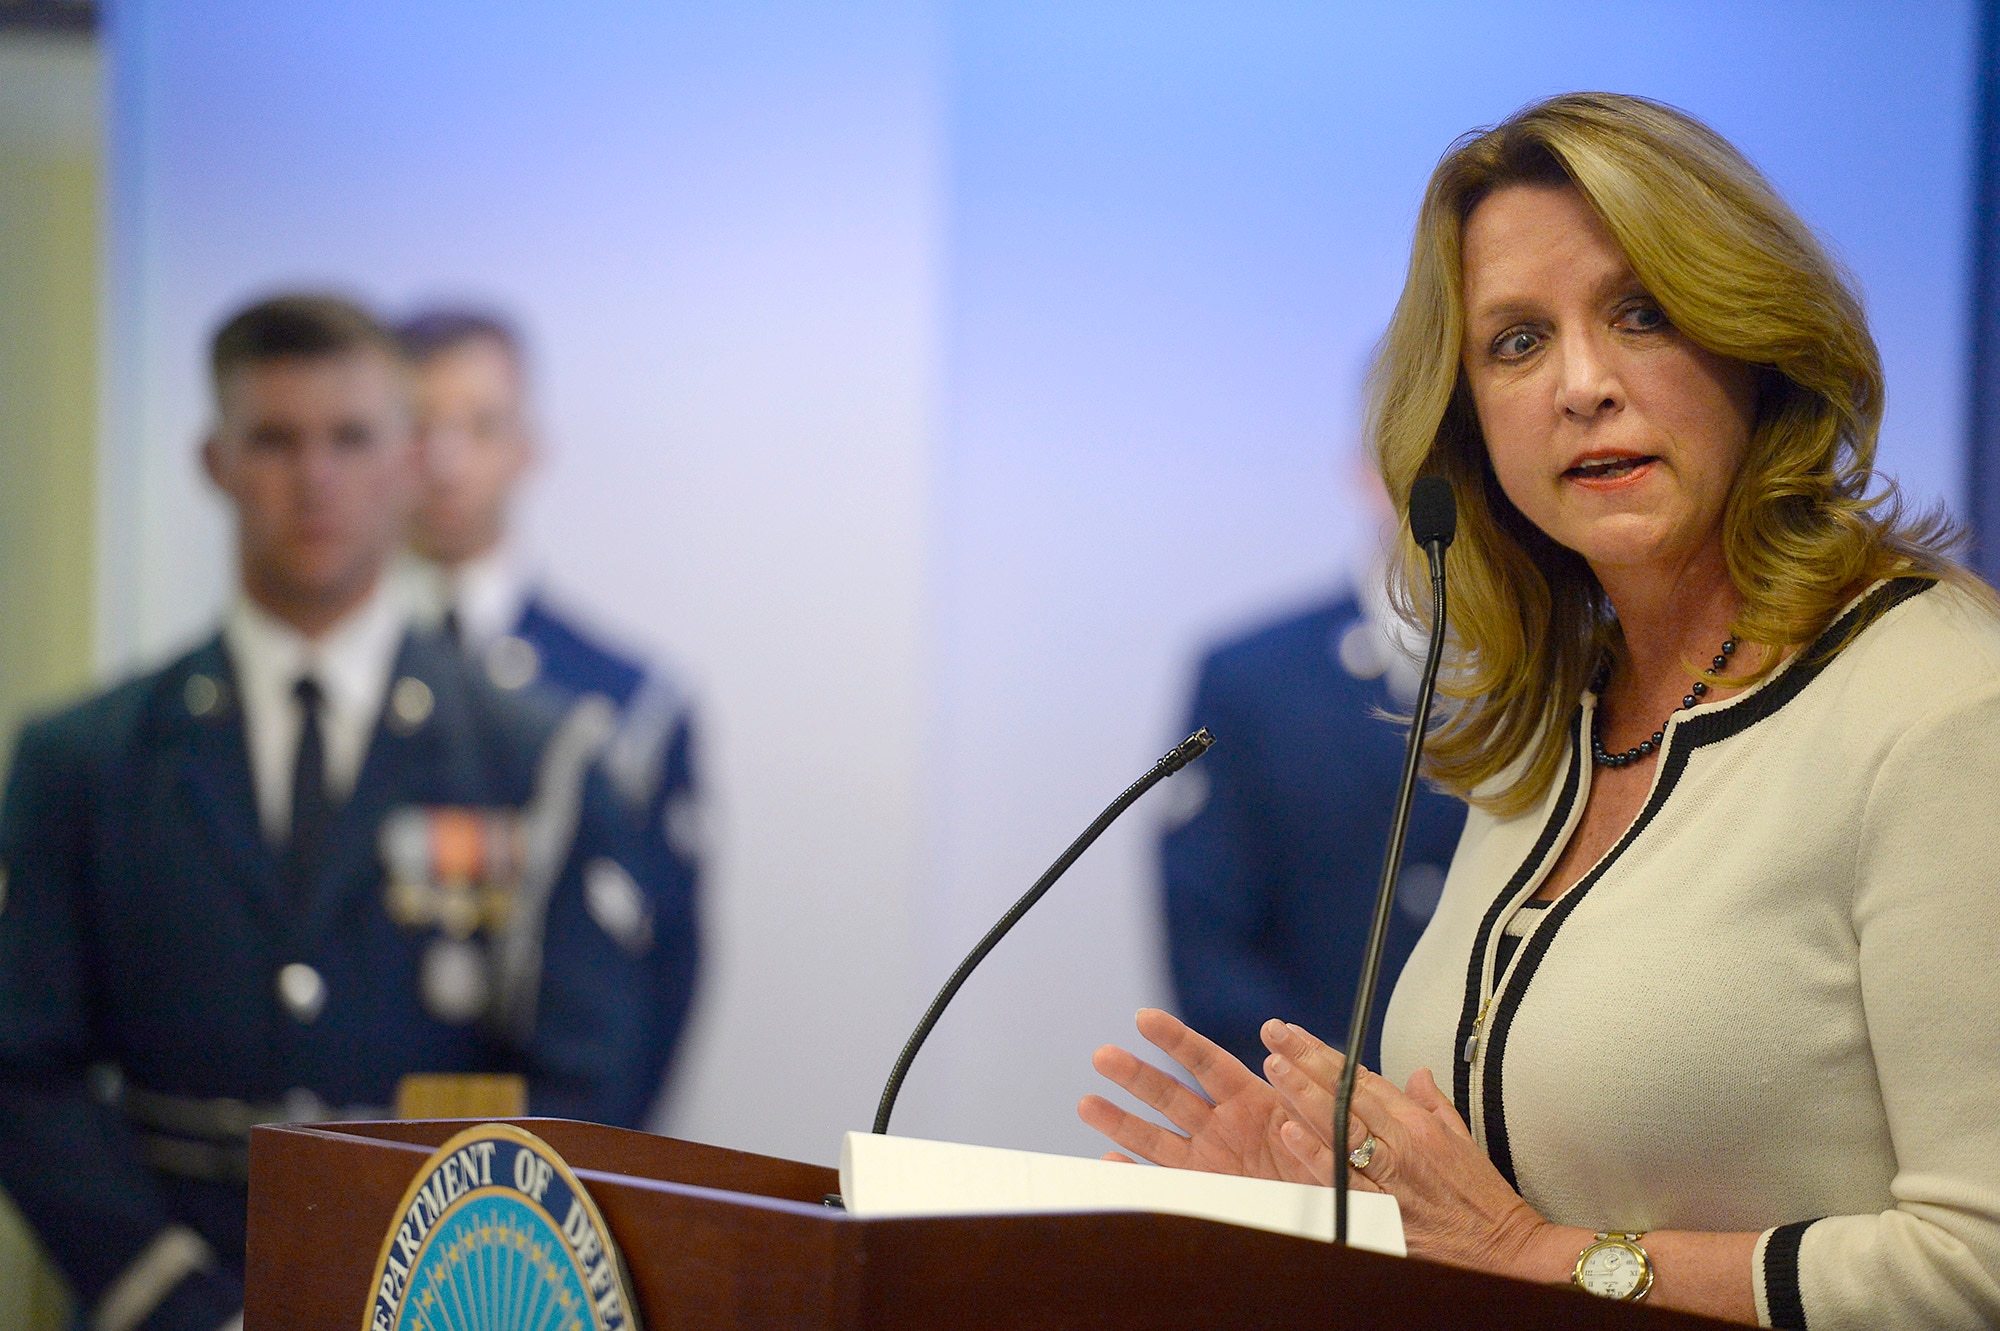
x,y
1233,1129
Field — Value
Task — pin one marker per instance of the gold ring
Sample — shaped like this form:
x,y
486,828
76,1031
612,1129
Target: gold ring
x,y
1361,1156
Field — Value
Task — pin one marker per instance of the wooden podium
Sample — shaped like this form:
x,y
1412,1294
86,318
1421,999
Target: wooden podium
x,y
723,1239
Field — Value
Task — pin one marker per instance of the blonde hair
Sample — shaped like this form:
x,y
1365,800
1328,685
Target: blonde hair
x,y
1738,274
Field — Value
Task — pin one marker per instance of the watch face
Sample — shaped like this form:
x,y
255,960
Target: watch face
x,y
1611,1270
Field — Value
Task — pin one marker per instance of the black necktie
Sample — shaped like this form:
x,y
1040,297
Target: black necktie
x,y
453,629
310,810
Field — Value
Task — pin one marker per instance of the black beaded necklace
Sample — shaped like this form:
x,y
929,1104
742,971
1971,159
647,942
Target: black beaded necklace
x,y
1646,746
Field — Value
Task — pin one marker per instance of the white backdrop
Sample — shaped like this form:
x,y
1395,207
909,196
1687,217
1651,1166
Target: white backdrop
x,y
929,380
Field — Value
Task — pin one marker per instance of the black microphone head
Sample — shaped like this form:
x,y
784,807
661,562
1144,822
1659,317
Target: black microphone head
x,y
1188,750
1433,511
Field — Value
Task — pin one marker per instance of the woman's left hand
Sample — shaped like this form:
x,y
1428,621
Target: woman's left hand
x,y
1457,1208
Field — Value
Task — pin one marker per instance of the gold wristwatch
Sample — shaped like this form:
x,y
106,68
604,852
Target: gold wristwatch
x,y
1614,1267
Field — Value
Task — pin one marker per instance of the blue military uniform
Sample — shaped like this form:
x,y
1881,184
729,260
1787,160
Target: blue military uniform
x,y
145,930
651,762
1271,882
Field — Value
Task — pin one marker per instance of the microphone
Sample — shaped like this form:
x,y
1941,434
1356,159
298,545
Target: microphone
x,y
1433,522
1178,757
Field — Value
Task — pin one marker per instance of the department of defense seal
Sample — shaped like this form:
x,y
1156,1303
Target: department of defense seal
x,y
496,1231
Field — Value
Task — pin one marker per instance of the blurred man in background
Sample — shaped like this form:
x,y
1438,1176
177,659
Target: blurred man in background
x,y
314,854
475,444
1271,872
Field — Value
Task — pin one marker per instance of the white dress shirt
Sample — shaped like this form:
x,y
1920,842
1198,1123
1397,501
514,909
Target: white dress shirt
x,y
351,662
487,594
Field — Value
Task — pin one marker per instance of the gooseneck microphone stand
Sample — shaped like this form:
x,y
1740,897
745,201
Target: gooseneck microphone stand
x,y
1433,522
1180,756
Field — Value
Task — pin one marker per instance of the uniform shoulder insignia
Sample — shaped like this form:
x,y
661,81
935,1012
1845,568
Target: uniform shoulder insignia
x,y
496,1231
513,663
410,704
204,695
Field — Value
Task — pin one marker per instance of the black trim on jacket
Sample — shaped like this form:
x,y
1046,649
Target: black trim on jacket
x,y
1461,1066
1692,734
1782,1298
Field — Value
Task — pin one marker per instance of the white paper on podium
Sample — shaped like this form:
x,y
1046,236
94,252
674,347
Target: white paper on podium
x,y
888,1177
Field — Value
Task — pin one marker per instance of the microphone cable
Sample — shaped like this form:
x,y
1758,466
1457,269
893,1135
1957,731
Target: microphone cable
x,y
1178,757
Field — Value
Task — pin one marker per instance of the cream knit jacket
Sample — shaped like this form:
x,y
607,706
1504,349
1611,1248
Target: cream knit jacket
x,y
1775,1004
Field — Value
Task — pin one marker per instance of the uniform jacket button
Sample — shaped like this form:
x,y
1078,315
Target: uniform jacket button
x,y
302,991
410,704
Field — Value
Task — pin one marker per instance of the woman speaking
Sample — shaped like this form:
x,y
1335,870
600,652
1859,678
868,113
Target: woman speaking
x,y
1708,1011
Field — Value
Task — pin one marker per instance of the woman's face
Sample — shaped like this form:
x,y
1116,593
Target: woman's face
x,y
1608,429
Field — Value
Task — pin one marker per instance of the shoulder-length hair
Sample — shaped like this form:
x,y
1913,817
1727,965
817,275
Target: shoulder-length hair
x,y
1737,272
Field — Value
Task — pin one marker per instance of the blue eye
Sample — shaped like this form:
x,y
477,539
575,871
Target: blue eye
x,y
1644,318
1514,345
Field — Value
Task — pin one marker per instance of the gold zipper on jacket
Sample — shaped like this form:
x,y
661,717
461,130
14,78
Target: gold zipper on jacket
x,y
1472,1040
1470,1051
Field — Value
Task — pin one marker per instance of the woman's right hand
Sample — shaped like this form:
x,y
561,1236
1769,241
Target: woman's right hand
x,y
1235,1130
